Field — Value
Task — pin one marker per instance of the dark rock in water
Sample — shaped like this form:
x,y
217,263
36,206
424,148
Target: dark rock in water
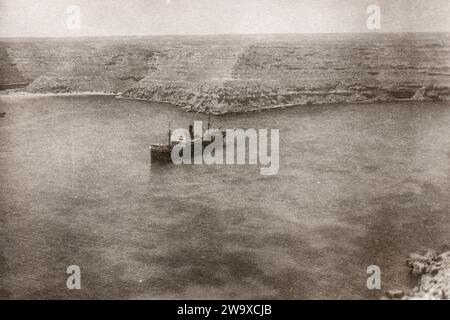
x,y
2,114
417,268
418,264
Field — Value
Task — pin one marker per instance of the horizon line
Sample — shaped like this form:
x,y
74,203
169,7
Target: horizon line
x,y
217,34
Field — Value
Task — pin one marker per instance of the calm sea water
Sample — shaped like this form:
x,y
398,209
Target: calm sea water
x,y
358,185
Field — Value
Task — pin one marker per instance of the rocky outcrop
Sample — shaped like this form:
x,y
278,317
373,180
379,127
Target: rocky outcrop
x,y
221,74
433,271
241,96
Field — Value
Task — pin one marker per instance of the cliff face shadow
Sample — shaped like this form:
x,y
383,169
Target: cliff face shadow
x,y
9,73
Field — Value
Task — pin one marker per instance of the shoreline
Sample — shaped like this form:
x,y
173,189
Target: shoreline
x,y
24,94
274,107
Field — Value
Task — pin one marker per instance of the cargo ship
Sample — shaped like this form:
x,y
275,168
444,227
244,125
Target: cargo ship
x,y
163,152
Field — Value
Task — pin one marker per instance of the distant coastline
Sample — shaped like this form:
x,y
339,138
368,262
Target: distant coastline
x,y
234,74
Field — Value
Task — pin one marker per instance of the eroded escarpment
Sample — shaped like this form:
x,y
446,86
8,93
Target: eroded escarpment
x,y
221,74
64,65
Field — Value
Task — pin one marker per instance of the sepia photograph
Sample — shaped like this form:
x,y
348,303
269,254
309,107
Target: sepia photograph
x,y
224,150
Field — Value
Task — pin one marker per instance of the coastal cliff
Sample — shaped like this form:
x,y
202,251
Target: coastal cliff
x,y
221,74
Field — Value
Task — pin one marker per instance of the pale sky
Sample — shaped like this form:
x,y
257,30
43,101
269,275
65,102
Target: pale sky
x,y
47,18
